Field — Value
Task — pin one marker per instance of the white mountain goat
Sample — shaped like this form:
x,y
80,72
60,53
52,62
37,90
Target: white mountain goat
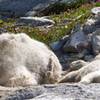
x,y
25,61
89,73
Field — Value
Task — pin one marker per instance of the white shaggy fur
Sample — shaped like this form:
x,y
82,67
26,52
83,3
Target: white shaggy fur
x,y
25,61
87,74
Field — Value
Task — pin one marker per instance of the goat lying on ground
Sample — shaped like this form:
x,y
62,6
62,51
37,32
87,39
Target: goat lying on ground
x,y
25,61
87,74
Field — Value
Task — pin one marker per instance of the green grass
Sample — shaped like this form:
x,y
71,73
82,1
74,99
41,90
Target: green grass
x,y
60,29
97,4
63,6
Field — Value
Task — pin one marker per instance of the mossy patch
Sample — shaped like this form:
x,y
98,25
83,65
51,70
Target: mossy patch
x,y
97,4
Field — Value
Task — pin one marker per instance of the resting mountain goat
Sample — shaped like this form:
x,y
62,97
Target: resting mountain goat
x,y
90,73
25,61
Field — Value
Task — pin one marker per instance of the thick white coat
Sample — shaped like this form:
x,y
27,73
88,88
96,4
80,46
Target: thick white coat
x,y
25,61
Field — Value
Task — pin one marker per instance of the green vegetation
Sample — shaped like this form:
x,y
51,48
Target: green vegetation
x,y
63,6
97,4
65,21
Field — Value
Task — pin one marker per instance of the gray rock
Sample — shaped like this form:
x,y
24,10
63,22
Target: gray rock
x,y
77,42
89,26
59,44
92,24
55,46
22,7
89,58
95,41
55,92
2,30
27,7
35,21
95,10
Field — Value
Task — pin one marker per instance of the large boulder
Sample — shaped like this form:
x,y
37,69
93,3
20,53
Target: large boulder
x,y
22,7
28,7
77,42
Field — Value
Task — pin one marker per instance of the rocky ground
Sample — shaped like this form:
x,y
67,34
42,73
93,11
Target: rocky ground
x,y
54,92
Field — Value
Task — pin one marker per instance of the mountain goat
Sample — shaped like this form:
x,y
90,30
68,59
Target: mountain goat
x,y
25,61
90,73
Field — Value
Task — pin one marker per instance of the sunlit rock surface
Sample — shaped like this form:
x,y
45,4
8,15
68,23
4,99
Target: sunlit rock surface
x,y
53,92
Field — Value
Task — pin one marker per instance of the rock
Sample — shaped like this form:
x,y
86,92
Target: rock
x,y
53,92
95,10
59,44
2,30
55,46
92,24
89,58
77,42
89,26
95,41
20,93
35,21
22,7
28,7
